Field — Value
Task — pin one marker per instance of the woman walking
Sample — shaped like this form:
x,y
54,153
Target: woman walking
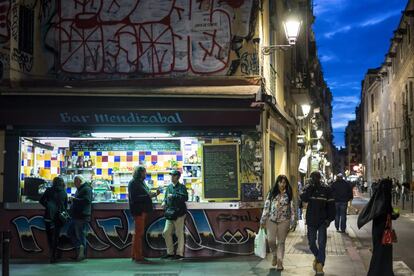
x,y
279,215
54,200
380,211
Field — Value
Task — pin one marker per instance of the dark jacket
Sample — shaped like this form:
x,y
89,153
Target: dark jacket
x,y
321,205
53,199
139,198
179,197
82,203
342,191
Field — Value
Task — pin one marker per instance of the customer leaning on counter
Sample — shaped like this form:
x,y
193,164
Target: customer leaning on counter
x,y
140,205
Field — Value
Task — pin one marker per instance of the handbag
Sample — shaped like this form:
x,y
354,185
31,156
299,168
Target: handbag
x,y
389,236
63,217
171,213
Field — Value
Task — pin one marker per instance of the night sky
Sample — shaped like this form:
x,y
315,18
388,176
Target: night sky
x,y
352,36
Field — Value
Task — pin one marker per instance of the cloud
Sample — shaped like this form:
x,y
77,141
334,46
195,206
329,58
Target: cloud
x,y
344,29
346,99
323,6
379,18
345,85
339,124
327,58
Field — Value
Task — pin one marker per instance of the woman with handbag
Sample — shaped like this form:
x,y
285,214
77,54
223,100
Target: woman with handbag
x,y
279,216
380,211
55,201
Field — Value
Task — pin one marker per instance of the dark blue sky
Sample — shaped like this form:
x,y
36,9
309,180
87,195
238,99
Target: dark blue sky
x,y
352,36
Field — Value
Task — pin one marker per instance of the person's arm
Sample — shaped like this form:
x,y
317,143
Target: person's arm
x,y
307,193
181,194
265,213
84,197
330,205
45,198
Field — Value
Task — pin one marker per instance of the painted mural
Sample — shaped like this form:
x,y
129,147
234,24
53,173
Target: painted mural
x,y
208,233
152,37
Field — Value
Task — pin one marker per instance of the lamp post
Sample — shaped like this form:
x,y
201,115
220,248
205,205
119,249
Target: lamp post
x,y
292,28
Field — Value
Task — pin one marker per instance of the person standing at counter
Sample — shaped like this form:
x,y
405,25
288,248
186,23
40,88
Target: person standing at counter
x,y
279,215
140,205
81,210
175,209
54,200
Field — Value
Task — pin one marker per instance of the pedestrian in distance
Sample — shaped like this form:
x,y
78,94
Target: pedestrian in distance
x,y
379,210
81,211
54,200
140,206
342,193
175,211
278,217
320,213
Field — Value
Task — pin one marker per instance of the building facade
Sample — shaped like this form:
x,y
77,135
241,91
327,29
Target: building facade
x,y
387,103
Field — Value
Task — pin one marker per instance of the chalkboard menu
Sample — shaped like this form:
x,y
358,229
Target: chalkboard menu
x,y
124,145
221,172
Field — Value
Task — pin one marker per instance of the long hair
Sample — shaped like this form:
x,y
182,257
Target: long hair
x,y
274,191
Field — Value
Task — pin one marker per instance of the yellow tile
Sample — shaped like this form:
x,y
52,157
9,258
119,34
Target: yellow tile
x,y
98,165
98,159
39,157
135,158
80,153
123,158
110,164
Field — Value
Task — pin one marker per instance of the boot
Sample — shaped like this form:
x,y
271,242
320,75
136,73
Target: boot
x,y
279,265
319,269
81,253
314,264
274,261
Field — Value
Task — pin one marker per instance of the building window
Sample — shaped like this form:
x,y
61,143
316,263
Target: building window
x,y
411,95
395,114
372,102
399,157
385,163
26,29
373,164
408,26
392,159
377,132
379,164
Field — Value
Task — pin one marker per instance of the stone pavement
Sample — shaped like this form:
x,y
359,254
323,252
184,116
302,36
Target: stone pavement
x,y
342,259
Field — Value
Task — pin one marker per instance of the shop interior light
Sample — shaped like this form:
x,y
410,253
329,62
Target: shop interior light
x,y
130,135
319,133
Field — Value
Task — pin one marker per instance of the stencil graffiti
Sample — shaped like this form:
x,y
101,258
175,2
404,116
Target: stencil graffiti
x,y
249,64
150,37
116,232
24,60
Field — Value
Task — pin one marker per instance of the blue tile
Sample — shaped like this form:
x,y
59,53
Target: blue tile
x,y
68,190
129,153
160,177
99,171
22,176
47,163
179,158
117,158
87,153
74,153
110,171
123,196
147,153
22,162
141,157
99,153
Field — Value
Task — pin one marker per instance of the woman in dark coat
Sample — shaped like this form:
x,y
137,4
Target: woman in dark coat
x,y
377,210
54,199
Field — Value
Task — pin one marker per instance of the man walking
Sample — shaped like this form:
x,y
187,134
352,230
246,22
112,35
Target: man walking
x,y
80,210
175,209
320,213
342,193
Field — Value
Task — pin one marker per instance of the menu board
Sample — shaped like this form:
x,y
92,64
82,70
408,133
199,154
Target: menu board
x,y
124,145
221,172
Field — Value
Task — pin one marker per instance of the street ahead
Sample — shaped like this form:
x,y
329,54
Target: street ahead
x,y
404,226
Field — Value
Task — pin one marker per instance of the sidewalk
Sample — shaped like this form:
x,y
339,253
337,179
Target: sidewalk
x,y
342,259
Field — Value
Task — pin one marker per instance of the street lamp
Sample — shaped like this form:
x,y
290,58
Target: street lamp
x,y
319,133
292,28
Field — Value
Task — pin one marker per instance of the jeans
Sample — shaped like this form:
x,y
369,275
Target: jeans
x,y
77,233
340,217
318,250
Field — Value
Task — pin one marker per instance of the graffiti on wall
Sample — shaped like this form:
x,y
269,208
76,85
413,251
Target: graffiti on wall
x,y
23,59
201,230
4,23
149,37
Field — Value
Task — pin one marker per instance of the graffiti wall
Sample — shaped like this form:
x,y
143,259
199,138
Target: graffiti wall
x,y
207,233
153,37
4,38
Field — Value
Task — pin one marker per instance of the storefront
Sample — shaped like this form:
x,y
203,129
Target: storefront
x,y
215,143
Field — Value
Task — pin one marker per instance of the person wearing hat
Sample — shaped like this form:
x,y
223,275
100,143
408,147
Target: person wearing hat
x,y
140,205
175,209
342,193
